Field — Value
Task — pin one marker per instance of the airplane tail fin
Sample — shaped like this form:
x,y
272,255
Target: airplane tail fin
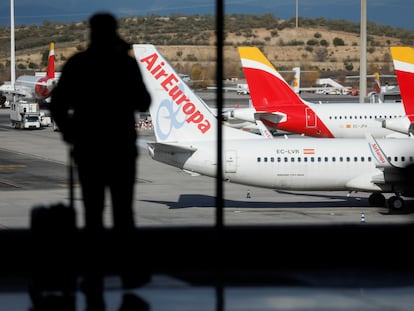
x,y
377,83
403,58
178,115
267,87
296,79
51,61
44,86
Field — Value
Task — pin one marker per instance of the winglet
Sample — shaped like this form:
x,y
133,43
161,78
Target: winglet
x,y
264,130
377,152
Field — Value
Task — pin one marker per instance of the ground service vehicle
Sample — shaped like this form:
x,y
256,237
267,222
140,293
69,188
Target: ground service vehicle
x,y
25,115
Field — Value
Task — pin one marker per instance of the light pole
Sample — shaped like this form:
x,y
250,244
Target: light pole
x,y
363,53
297,13
12,49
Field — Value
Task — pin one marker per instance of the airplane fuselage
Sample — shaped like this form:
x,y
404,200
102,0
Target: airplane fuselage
x,y
279,107
338,120
297,163
35,86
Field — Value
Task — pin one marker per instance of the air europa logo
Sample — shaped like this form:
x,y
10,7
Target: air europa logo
x,y
377,151
169,82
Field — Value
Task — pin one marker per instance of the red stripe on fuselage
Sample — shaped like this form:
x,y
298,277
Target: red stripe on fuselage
x,y
271,94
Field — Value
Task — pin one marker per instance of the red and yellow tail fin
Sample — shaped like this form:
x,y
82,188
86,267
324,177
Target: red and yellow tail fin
x,y
403,58
377,83
51,61
268,89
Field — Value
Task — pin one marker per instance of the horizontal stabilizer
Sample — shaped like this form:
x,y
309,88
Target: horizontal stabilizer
x,y
170,147
274,117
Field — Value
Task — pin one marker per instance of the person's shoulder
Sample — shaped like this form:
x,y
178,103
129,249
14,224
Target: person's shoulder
x,y
76,58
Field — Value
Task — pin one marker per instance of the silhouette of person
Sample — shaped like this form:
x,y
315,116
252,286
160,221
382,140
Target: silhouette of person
x,y
94,105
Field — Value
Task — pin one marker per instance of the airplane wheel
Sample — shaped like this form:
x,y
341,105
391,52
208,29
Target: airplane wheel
x,y
395,203
376,199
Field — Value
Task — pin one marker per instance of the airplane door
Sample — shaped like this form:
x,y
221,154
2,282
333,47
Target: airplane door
x,y
230,164
310,118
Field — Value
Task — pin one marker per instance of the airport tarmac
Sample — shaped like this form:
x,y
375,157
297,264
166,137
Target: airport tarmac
x,y
33,171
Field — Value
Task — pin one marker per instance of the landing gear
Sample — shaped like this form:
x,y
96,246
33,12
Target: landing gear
x,y
395,203
376,199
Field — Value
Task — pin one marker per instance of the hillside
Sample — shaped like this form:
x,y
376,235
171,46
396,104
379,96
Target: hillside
x,y
188,42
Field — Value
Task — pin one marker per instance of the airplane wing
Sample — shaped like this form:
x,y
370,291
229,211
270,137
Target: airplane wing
x,y
15,92
390,176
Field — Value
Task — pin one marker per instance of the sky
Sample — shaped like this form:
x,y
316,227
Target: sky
x,y
397,13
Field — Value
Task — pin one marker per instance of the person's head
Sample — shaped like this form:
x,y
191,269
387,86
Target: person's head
x,y
103,28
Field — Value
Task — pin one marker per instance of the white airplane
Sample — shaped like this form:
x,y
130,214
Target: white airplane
x,y
277,105
328,85
37,87
185,132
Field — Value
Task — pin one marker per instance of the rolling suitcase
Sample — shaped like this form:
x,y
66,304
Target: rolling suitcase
x,y
53,264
